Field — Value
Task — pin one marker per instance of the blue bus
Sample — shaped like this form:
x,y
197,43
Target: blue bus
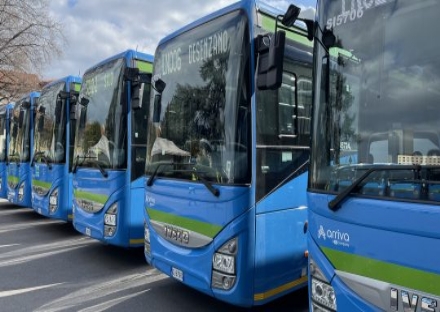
x,y
110,147
373,232
5,115
53,149
227,157
20,149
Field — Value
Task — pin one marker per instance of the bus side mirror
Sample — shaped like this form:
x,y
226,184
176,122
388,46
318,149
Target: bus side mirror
x,y
14,130
26,104
83,118
20,119
58,109
270,60
72,112
131,74
157,107
41,111
41,123
158,85
137,90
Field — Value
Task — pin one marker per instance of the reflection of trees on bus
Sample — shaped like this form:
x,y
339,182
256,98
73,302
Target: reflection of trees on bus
x,y
202,106
342,100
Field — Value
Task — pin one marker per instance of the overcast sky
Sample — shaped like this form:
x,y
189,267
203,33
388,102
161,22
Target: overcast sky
x,y
97,29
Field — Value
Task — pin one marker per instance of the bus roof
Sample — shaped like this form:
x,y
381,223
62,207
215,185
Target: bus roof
x,y
131,54
65,79
246,5
5,107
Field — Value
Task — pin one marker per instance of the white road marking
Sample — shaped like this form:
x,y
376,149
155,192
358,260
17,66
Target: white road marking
x,y
15,211
21,260
10,245
86,295
110,303
9,293
22,255
26,225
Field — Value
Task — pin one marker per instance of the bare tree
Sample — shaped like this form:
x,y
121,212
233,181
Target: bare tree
x,y
29,38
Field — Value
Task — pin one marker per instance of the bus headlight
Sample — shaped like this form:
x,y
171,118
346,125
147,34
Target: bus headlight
x,y
53,201
21,192
110,220
323,294
223,265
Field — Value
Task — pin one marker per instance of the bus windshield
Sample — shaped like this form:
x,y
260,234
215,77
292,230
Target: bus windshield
x,y
19,145
374,82
204,122
50,126
102,124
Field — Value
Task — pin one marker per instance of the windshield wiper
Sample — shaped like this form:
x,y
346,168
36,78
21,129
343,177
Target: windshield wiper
x,y
75,166
35,156
14,155
93,161
194,171
47,160
335,203
98,165
153,175
206,183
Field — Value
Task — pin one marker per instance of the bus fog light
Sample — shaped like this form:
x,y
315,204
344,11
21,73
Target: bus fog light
x,y
223,263
109,230
222,281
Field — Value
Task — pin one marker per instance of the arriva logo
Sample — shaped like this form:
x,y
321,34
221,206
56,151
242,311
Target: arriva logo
x,y
150,200
337,237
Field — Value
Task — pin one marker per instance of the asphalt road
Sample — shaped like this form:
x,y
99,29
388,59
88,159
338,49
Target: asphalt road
x,y
45,265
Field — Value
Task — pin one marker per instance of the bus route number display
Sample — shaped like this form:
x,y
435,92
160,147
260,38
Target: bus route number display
x,y
352,10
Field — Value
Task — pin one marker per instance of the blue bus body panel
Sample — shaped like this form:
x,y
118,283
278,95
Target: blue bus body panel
x,y
130,229
280,243
21,172
111,189
59,176
272,265
391,242
4,180
230,212
56,177
117,187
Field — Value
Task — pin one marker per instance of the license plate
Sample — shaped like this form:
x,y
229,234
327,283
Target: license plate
x,y
88,231
177,274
